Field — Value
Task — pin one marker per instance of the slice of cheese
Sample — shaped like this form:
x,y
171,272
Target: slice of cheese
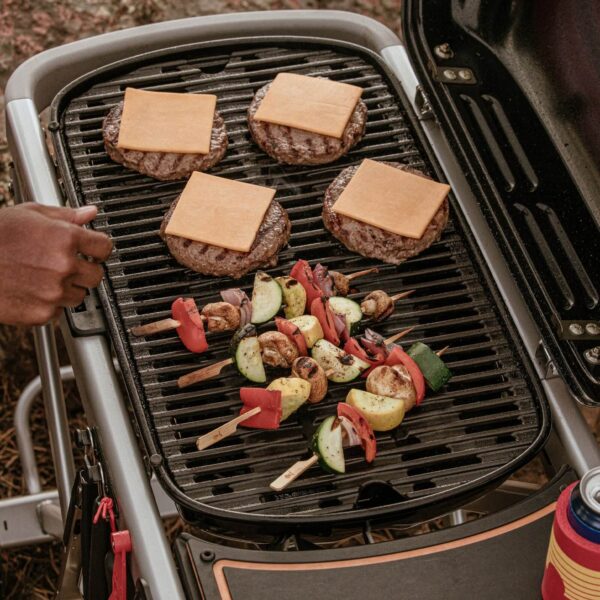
x,y
166,122
312,104
221,212
391,199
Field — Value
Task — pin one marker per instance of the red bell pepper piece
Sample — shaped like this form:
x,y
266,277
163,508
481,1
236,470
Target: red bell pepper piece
x,y
399,357
352,346
303,274
293,332
362,427
269,401
191,331
320,308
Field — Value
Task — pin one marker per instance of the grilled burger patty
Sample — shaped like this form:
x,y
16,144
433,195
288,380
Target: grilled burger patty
x,y
371,241
272,235
296,147
163,165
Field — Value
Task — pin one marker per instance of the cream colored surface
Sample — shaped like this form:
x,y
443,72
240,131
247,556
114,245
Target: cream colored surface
x,y
166,122
221,212
391,199
312,104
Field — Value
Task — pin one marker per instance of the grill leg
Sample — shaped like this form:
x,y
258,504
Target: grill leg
x,y
23,429
56,414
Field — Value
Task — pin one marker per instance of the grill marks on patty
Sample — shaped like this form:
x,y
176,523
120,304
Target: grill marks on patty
x,y
371,241
293,146
273,234
165,166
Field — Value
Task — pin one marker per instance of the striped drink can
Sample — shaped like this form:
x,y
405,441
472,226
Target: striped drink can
x,y
573,560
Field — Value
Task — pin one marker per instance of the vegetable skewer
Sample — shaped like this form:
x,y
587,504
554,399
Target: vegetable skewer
x,y
379,410
293,397
262,408
348,428
216,368
190,322
186,320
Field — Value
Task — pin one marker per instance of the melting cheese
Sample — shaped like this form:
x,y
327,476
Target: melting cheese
x,y
311,104
219,211
391,199
166,122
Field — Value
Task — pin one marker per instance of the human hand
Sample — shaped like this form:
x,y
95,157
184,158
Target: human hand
x,y
42,261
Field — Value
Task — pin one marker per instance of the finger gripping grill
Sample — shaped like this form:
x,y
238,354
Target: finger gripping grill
x,y
488,421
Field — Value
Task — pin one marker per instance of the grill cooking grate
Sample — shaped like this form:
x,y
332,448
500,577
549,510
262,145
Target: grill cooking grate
x,y
481,427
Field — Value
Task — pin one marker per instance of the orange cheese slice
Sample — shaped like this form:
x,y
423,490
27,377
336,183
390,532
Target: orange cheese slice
x,y
312,104
165,122
221,212
391,199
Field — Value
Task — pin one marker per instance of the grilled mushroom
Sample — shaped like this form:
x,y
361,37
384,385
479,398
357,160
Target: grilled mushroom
x,y
377,305
340,282
309,369
277,349
393,382
221,316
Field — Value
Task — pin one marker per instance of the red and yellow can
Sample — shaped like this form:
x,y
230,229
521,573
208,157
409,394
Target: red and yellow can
x,y
573,561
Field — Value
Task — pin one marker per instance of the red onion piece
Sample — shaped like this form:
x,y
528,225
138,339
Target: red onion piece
x,y
324,280
240,299
351,438
341,327
374,343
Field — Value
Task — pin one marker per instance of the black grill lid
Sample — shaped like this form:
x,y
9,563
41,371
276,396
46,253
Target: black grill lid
x,y
526,127
490,419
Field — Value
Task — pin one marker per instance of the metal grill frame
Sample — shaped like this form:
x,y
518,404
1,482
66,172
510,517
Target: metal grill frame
x,y
122,350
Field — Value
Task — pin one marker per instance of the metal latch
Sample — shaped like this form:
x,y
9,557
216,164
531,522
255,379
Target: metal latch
x,y
423,105
546,361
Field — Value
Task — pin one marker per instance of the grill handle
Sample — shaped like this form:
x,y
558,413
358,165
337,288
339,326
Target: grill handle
x,y
43,75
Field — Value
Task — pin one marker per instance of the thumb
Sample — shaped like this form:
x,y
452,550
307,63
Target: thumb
x,y
77,216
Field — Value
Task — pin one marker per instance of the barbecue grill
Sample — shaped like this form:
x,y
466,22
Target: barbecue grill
x,y
514,266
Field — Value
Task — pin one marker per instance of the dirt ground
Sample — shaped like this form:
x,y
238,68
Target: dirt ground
x,y
26,28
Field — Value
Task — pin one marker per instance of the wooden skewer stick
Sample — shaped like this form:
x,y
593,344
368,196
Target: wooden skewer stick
x,y
156,327
293,473
402,295
398,336
216,435
204,373
361,273
440,352
159,326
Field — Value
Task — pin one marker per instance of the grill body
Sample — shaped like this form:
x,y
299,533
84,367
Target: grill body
x,y
491,418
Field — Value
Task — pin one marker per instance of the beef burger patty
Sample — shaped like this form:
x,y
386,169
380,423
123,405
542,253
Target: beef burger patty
x,y
371,241
273,234
297,147
165,166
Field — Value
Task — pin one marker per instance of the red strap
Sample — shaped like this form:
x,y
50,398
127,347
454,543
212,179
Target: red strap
x,y
121,545
105,510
